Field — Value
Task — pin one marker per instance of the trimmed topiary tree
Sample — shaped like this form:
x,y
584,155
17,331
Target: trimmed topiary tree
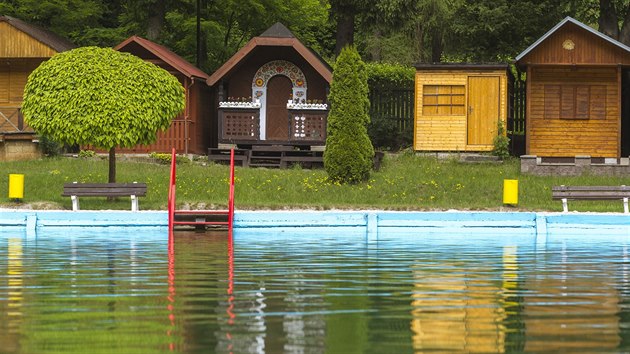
x,y
349,152
101,97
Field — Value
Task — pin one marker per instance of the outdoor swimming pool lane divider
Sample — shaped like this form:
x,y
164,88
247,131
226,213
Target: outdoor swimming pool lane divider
x,y
200,216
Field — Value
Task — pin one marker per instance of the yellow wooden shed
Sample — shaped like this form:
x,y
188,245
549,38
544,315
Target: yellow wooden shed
x,y
458,106
22,48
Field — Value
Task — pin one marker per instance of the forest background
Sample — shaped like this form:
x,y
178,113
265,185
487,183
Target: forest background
x,y
394,31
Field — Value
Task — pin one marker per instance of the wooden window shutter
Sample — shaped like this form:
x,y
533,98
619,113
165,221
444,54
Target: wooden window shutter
x,y
4,86
552,101
16,87
567,102
582,100
597,102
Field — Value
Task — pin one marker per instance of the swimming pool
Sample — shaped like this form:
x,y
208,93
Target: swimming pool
x,y
316,289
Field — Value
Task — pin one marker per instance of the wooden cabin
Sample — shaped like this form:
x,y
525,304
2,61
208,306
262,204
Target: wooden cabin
x,y
190,131
577,100
271,92
458,106
22,48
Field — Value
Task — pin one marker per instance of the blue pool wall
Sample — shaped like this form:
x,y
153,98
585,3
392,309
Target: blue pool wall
x,y
370,223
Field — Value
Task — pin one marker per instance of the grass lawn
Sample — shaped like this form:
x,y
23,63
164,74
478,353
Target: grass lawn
x,y
405,182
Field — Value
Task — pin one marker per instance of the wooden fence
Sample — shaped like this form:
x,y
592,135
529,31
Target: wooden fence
x,y
395,105
516,116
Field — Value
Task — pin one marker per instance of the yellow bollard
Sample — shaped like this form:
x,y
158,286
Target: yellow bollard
x,y
16,186
510,191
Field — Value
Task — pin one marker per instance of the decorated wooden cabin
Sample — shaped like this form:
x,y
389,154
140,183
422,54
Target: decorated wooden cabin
x,y
272,92
459,106
190,131
577,94
22,48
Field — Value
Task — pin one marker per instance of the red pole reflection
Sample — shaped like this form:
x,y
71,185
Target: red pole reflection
x,y
171,287
230,288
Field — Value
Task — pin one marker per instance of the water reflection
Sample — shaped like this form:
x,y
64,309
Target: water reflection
x,y
573,296
10,338
208,292
461,313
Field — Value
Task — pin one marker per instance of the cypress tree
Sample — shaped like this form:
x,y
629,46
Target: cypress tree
x,y
349,152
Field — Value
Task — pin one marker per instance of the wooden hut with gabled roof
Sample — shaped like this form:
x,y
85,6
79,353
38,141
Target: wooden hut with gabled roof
x,y
272,92
577,94
23,47
190,131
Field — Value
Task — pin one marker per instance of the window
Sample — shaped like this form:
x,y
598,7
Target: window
x,y
443,100
570,101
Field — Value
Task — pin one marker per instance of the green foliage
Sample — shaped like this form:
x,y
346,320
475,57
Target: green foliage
x,y
101,97
388,76
349,152
383,78
49,147
501,142
385,134
86,154
165,159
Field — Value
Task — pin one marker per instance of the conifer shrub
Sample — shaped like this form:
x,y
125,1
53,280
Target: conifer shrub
x,y
349,152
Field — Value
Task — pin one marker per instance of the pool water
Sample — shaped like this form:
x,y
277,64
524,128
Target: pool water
x,y
115,290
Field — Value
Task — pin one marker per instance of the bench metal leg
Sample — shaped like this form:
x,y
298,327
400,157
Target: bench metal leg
x,y
625,205
565,205
134,203
75,202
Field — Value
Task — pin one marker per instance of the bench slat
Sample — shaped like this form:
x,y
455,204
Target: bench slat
x,y
104,189
566,193
590,192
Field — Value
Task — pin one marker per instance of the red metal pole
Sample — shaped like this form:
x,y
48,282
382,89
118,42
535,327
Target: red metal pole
x,y
171,192
231,198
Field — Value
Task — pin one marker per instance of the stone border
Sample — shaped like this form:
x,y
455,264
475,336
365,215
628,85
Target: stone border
x,y
532,164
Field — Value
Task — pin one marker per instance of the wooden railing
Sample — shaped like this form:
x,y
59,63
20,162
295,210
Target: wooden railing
x,y
307,125
11,120
239,124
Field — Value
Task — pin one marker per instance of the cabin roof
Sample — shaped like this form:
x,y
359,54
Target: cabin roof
x,y
461,66
178,63
47,37
275,36
561,24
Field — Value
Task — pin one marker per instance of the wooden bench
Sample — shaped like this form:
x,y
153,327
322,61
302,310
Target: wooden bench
x,y
75,190
565,193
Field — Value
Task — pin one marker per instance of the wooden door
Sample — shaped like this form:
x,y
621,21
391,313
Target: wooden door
x,y
483,109
279,89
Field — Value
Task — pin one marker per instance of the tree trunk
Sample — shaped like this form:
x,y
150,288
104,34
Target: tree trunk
x,y
437,46
608,19
156,20
112,165
418,42
375,49
624,35
345,28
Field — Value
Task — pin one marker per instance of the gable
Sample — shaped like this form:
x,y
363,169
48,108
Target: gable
x,y
275,44
574,44
160,56
17,44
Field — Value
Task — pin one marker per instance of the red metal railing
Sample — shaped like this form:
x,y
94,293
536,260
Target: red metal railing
x,y
172,201
231,196
171,192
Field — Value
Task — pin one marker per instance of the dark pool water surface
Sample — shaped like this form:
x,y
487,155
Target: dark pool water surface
x,y
130,291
